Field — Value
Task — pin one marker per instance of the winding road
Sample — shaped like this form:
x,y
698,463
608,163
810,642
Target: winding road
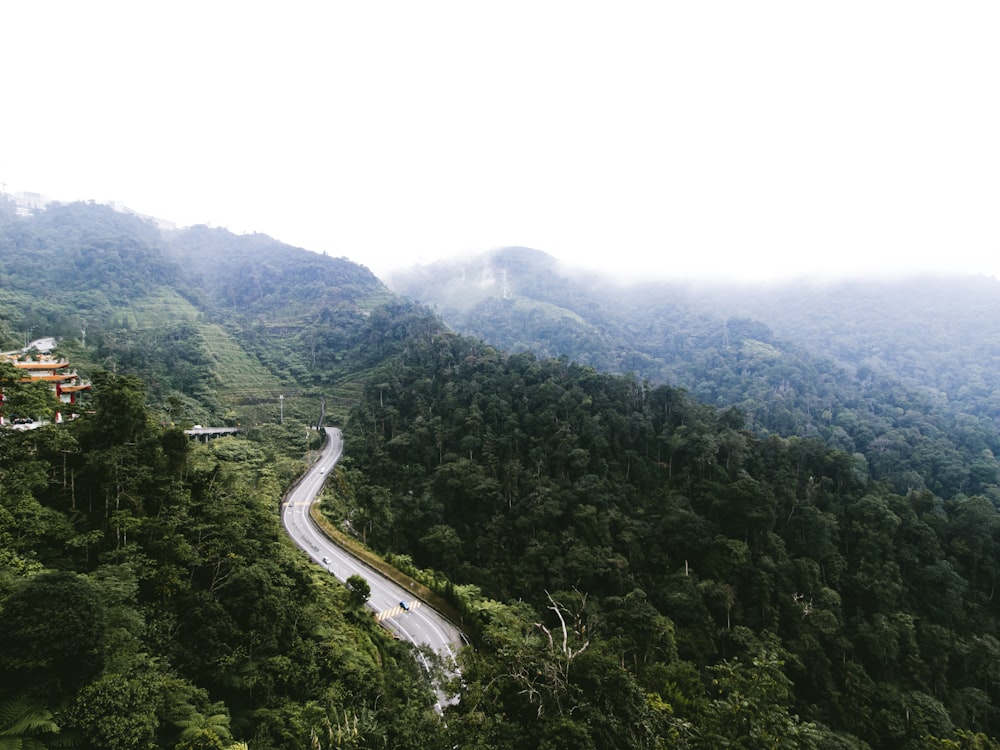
x,y
395,607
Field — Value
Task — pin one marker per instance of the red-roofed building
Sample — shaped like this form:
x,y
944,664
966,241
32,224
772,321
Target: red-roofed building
x,y
66,383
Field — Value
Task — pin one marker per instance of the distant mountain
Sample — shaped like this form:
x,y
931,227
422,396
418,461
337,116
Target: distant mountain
x,y
932,333
217,324
803,545
850,363
222,327
258,276
936,333
521,299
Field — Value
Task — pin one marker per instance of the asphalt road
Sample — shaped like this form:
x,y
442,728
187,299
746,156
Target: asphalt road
x,y
417,622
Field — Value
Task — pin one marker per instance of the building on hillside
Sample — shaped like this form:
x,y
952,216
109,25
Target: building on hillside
x,y
66,383
27,204
161,223
43,345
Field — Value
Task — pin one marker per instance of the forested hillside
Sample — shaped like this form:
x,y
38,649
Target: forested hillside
x,y
673,578
759,538
149,598
897,374
218,325
933,333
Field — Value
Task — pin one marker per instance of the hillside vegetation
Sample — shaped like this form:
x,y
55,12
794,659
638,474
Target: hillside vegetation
x,y
148,597
728,586
699,528
218,325
897,374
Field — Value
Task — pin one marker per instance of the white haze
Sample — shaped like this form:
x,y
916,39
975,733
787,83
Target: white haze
x,y
650,139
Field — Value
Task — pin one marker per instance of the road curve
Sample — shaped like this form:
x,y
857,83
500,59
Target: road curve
x,y
417,623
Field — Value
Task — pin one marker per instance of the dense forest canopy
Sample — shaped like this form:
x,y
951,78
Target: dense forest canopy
x,y
897,374
933,332
148,597
215,323
255,274
683,545
752,536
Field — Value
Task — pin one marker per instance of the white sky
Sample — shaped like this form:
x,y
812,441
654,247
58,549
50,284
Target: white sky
x,y
759,139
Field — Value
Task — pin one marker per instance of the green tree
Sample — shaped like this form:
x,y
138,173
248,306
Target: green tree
x,y
205,731
54,628
749,707
963,741
118,712
25,725
359,588
34,399
120,410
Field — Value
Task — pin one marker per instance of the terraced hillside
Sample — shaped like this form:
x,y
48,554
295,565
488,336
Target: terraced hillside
x,y
221,327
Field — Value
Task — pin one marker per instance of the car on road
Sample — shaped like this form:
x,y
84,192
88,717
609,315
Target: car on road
x,y
405,606
326,560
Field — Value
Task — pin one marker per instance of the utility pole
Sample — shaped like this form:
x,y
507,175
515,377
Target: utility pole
x,y
322,412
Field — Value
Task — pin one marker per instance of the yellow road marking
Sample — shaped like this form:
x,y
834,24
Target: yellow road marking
x,y
385,614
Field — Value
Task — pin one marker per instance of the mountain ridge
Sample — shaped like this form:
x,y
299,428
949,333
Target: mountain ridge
x,y
775,544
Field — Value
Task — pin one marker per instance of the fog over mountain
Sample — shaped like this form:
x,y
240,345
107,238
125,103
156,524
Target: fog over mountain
x,y
664,515
731,140
919,326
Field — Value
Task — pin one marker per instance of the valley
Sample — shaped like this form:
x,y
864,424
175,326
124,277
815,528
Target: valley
x,y
665,517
